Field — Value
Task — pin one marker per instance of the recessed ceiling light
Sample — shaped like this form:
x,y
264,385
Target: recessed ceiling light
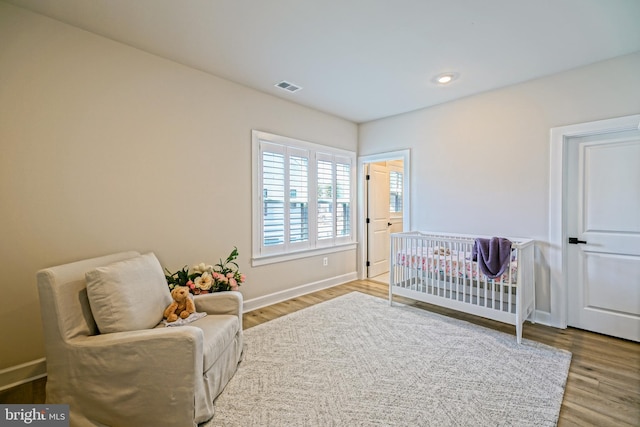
x,y
445,78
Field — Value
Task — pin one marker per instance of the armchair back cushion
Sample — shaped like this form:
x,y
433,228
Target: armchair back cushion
x,y
66,313
128,295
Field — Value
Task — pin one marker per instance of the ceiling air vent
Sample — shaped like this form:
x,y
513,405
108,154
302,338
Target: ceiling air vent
x,y
288,86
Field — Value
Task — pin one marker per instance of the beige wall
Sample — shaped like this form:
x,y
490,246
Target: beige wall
x,y
106,148
480,165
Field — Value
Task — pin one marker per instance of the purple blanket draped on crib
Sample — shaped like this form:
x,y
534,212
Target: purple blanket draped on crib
x,y
492,255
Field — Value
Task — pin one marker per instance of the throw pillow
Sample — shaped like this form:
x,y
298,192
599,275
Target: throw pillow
x,y
128,295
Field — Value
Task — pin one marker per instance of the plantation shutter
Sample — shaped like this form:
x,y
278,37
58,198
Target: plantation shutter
x,y
285,197
273,195
325,198
343,197
298,193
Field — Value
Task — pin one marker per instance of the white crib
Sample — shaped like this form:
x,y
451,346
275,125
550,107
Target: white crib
x,y
437,268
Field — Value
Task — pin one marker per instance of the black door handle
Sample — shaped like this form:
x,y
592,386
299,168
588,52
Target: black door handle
x,y
575,241
389,224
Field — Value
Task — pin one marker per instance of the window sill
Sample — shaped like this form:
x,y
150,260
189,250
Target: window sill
x,y
273,259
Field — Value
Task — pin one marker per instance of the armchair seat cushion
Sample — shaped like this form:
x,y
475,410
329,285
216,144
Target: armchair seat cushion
x,y
218,332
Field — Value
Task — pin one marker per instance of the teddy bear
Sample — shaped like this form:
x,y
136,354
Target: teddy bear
x,y
182,305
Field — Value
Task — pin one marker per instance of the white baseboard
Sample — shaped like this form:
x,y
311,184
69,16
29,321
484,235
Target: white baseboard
x,y
259,302
21,374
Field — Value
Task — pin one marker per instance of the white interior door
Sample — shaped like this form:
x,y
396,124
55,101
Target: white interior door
x,y
603,214
378,216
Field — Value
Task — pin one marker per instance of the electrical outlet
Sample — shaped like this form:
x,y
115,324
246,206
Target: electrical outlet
x,y
325,261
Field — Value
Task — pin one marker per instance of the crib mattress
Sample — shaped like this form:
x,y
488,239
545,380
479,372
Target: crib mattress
x,y
452,264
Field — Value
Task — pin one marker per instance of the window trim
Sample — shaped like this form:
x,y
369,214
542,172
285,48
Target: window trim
x,y
315,246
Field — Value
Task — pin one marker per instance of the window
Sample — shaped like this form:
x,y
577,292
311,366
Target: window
x,y
303,197
395,192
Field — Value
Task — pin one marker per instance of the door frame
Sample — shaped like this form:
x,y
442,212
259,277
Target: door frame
x,y
405,155
558,245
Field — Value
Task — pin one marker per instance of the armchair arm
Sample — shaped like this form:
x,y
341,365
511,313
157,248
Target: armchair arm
x,y
128,353
220,303
111,369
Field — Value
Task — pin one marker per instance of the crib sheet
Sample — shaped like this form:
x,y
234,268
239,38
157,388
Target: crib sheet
x,y
451,263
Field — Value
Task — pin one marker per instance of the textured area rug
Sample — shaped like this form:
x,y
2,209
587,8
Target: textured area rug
x,y
356,361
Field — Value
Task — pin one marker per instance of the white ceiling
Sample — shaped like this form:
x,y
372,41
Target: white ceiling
x,y
365,59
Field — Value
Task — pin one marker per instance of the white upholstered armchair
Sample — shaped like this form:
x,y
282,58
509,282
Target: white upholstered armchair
x,y
108,358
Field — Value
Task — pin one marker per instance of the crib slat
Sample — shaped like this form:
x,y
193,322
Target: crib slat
x,y
414,280
448,265
405,270
421,266
484,290
511,302
432,269
495,295
476,284
457,271
511,288
468,275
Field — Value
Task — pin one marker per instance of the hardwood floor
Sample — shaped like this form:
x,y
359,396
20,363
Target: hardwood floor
x,y
603,387
31,392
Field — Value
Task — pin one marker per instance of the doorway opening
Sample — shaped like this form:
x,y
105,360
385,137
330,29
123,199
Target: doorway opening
x,y
383,208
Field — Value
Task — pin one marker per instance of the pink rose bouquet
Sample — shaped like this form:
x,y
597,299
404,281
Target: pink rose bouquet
x,y
204,278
